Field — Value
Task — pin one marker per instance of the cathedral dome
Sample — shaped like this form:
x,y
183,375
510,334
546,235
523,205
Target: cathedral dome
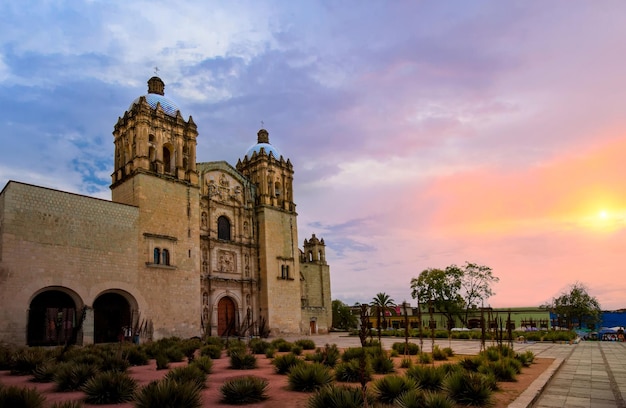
x,y
263,142
156,95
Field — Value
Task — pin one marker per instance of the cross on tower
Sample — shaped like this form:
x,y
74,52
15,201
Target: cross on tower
x,y
156,71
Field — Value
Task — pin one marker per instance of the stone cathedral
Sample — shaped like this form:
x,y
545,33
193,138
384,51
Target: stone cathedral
x,y
184,248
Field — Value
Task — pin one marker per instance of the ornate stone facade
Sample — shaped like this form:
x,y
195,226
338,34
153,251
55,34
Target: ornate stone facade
x,y
183,248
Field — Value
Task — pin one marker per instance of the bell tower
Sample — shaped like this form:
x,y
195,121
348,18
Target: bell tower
x,y
279,263
155,171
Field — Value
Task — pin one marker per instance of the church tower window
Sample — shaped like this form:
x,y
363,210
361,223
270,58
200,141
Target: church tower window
x,y
223,228
157,256
165,256
167,160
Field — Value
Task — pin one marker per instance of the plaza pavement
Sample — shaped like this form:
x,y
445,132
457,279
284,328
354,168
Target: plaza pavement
x,y
587,374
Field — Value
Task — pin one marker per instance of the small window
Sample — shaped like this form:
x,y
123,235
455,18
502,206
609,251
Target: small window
x,y
157,256
165,257
223,228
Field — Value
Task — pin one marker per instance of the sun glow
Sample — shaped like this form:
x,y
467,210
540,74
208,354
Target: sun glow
x,y
603,215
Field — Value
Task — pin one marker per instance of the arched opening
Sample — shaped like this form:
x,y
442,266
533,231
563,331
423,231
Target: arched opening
x,y
112,317
226,317
320,256
51,319
223,228
167,160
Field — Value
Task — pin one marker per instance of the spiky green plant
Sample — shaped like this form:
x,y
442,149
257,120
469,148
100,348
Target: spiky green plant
x,y
467,388
503,370
309,377
136,356
258,346
406,348
244,390
162,362
25,360
425,358
437,400
72,376
109,387
352,372
284,363
212,350
190,373
439,354
270,353
472,363
282,345
306,344
406,363
241,360
342,396
390,387
448,351
427,377
382,364
169,394
414,398
329,355
352,353
44,372
18,397
204,363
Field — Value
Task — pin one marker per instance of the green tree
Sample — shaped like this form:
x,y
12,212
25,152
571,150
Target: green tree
x,y
476,284
440,290
381,303
576,306
342,316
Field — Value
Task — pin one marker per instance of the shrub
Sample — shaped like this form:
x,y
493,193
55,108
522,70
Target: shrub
x,y
526,358
17,397
188,374
439,354
113,363
406,363
283,364
414,398
467,388
449,368
44,372
352,353
212,350
388,388
329,355
281,345
236,346
216,341
425,358
352,372
244,390
437,400
136,356
382,364
491,354
109,387
309,377
162,363
241,360
503,370
427,377
333,396
258,346
169,394
6,357
297,350
306,344
410,349
72,376
204,363
174,354
471,363
270,353
448,351
189,347
25,361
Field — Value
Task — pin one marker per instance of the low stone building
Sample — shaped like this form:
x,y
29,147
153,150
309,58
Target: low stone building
x,y
183,249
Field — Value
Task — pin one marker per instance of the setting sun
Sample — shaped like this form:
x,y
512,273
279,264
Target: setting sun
x,y
603,215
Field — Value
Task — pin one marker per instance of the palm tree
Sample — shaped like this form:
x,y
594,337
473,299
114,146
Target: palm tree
x,y
381,302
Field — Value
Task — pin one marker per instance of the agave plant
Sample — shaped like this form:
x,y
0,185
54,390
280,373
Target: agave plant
x,y
352,372
109,387
390,387
309,377
469,389
283,364
244,390
169,394
188,374
72,376
12,396
333,396
427,377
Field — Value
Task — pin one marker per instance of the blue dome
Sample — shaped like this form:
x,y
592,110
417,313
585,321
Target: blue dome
x,y
268,148
167,105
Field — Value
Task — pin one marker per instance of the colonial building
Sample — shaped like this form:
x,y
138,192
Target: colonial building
x,y
183,249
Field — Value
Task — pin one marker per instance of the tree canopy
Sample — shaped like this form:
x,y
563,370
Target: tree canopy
x,y
342,316
575,306
440,289
476,284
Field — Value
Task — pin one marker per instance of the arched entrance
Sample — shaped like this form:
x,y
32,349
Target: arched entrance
x,y
111,317
226,317
51,319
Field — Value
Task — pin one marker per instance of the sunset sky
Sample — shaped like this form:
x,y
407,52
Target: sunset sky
x,y
422,133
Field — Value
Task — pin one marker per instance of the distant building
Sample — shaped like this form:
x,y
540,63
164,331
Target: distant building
x,y
183,249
